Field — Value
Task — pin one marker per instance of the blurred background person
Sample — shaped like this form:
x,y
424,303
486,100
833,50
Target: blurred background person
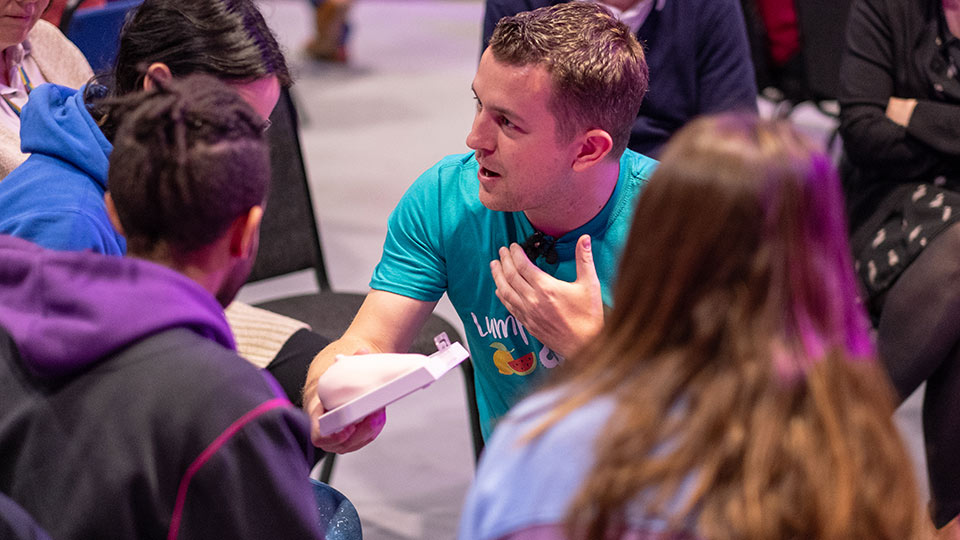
x,y
698,54
32,52
900,123
329,43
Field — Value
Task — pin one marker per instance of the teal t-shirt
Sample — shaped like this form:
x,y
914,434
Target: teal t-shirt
x,y
440,238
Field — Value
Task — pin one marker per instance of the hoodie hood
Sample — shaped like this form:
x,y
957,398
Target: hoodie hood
x,y
55,122
68,310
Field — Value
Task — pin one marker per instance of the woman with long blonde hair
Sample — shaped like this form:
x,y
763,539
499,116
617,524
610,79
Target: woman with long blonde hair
x,y
732,393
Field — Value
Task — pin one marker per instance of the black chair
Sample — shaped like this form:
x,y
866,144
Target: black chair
x,y
290,242
822,25
815,76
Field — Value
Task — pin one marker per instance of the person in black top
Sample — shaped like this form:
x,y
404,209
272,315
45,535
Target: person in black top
x,y
900,123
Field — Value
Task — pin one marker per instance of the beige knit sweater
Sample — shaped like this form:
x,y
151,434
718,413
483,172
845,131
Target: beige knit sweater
x,y
60,62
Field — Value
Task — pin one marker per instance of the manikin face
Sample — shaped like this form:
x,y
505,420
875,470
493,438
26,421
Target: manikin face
x,y
523,166
17,18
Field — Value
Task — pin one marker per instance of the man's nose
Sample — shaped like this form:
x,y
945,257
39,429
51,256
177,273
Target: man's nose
x,y
480,137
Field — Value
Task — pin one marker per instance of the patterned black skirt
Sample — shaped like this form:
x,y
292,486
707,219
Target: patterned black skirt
x,y
905,222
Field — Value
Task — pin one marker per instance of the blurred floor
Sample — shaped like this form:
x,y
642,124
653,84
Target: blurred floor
x,y
369,128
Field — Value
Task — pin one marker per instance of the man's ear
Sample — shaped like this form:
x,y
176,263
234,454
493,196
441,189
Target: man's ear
x,y
158,71
245,233
595,146
112,213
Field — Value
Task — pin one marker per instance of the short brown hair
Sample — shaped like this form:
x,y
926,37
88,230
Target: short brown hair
x,y
189,158
597,66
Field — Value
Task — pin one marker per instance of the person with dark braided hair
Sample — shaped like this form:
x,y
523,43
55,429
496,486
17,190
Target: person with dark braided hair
x,y
126,411
56,198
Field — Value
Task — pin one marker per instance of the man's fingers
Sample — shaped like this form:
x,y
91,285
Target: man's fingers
x,y
508,297
366,431
586,269
516,283
332,442
355,436
528,275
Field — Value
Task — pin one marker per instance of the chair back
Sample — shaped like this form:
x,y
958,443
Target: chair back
x,y
96,31
822,25
289,237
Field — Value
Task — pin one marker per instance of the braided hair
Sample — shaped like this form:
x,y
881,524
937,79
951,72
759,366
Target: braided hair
x,y
189,158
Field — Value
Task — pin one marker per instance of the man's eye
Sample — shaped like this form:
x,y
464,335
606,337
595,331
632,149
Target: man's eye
x,y
506,123
476,101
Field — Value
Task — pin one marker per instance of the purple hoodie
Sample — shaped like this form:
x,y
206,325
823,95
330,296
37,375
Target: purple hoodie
x,y
56,305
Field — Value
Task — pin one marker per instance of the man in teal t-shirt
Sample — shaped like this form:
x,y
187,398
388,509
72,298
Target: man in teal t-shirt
x,y
524,233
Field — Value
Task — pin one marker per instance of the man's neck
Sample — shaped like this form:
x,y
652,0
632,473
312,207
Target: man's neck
x,y
622,5
588,195
196,267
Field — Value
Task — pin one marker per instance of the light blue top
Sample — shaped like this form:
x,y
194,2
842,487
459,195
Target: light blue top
x,y
440,238
522,484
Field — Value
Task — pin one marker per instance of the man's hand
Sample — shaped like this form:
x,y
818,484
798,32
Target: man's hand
x,y
386,322
348,439
562,315
900,110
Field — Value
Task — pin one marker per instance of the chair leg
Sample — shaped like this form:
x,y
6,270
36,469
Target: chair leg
x,y
467,370
327,470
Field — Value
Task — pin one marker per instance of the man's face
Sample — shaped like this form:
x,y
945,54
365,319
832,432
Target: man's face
x,y
523,167
237,275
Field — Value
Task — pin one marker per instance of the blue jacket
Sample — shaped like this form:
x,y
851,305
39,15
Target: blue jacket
x,y
55,198
699,60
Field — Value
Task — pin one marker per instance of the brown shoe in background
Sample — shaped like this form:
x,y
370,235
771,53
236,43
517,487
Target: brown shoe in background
x,y
327,45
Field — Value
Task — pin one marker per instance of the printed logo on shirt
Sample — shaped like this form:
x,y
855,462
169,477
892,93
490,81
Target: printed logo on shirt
x,y
508,365
503,359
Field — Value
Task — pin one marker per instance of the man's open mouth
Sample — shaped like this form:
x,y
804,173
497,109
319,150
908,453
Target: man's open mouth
x,y
488,173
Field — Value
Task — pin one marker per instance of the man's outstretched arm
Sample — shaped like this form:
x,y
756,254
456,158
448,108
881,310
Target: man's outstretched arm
x,y
386,323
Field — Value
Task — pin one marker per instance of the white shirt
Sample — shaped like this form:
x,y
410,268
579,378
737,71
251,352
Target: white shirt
x,y
633,16
16,91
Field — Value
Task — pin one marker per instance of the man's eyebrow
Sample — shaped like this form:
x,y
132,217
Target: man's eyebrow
x,y
513,115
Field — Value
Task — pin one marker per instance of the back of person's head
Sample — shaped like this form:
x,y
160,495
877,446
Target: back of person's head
x,y
597,66
189,158
743,219
738,355
227,39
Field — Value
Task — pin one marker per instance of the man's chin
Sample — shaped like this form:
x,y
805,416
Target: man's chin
x,y
497,204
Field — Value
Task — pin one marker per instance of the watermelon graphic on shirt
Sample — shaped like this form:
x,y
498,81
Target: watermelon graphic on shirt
x,y
524,365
